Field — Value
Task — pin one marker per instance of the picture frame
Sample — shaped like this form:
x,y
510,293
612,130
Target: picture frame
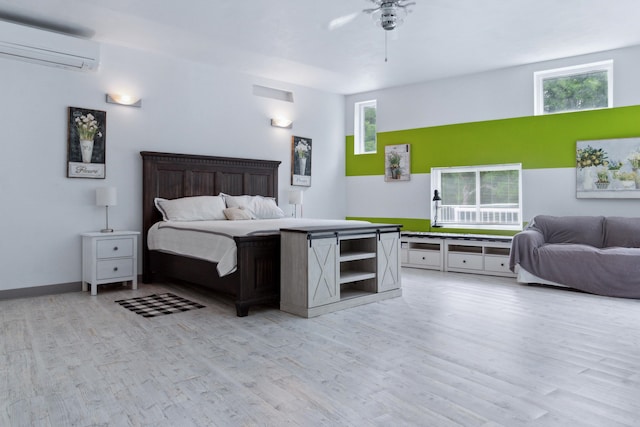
x,y
608,168
301,161
397,163
86,143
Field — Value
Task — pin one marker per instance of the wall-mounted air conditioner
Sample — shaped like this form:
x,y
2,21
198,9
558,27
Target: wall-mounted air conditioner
x,y
47,47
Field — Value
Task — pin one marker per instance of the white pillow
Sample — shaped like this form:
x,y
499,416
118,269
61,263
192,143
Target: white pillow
x,y
260,207
265,208
198,208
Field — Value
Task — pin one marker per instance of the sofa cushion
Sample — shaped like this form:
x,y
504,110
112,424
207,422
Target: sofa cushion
x,y
607,271
622,232
586,230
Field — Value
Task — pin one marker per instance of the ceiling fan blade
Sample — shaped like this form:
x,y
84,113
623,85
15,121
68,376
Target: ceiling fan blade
x,y
342,20
375,9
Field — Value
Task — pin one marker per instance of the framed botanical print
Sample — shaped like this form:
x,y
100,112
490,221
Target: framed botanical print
x,y
397,163
608,169
86,143
301,161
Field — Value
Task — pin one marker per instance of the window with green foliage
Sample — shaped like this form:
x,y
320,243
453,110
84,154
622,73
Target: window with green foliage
x,y
365,127
483,197
582,87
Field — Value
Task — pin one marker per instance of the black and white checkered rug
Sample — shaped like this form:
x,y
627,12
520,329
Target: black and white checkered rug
x,y
157,305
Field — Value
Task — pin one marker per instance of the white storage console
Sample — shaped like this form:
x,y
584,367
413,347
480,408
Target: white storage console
x,y
465,253
324,269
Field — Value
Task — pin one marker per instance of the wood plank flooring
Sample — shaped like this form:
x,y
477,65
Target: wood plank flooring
x,y
453,350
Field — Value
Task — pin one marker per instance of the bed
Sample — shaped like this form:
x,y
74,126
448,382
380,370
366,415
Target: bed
x,y
256,280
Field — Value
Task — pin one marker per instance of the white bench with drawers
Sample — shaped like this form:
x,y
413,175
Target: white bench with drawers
x,y
464,253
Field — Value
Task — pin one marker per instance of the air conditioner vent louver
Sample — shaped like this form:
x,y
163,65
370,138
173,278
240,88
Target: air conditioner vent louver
x,y
47,48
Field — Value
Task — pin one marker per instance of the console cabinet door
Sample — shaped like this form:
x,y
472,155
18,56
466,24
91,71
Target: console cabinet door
x,y
388,262
324,286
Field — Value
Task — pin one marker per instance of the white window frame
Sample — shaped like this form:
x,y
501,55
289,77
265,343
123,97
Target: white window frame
x,y
358,126
436,185
540,76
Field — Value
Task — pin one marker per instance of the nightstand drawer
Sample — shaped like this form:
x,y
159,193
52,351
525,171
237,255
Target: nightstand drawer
x,y
114,248
113,269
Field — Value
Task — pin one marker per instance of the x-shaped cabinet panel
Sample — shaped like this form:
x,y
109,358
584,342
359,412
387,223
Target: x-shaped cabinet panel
x,y
324,285
388,262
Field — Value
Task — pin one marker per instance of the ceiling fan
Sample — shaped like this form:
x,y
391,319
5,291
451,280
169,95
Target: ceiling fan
x,y
388,14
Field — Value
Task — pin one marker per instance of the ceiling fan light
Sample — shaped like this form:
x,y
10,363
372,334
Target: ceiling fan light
x,y
389,15
388,20
389,25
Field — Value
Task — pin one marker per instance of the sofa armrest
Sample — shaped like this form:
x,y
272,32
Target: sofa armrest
x,y
523,245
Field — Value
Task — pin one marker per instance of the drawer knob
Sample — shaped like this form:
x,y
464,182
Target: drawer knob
x,y
502,264
115,248
464,261
115,268
423,258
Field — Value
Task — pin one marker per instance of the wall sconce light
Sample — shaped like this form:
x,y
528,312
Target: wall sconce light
x,y
106,196
436,205
295,199
127,100
282,123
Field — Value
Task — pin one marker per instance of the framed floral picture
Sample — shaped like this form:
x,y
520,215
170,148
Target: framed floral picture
x,y
397,163
608,168
86,143
301,161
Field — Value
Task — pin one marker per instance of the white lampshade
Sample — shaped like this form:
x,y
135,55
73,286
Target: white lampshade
x,y
295,197
106,196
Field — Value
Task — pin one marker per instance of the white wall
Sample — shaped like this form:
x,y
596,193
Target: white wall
x,y
499,94
187,108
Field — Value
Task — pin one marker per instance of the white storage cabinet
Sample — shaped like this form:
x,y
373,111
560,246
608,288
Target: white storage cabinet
x,y
327,269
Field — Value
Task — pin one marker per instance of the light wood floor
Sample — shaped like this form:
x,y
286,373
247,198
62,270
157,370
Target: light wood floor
x,y
454,350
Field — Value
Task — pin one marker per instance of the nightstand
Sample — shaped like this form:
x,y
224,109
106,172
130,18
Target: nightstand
x,y
109,257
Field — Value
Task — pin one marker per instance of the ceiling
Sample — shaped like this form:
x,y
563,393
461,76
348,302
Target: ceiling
x,y
289,40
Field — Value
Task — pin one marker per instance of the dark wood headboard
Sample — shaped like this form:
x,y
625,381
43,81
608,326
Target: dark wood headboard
x,y
170,175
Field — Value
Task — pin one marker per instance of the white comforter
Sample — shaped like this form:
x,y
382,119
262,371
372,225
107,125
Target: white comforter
x,y
213,240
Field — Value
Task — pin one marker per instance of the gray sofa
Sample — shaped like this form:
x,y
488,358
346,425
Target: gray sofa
x,y
595,254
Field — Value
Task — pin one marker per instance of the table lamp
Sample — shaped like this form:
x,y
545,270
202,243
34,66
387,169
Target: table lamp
x,y
106,196
436,205
295,199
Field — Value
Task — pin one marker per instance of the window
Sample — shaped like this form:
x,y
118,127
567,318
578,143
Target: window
x,y
582,87
484,197
365,127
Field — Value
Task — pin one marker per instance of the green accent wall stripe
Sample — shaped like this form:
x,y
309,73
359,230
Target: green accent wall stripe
x,y
537,142
417,224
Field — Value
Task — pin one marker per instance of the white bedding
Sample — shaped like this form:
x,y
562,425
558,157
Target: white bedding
x,y
213,240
